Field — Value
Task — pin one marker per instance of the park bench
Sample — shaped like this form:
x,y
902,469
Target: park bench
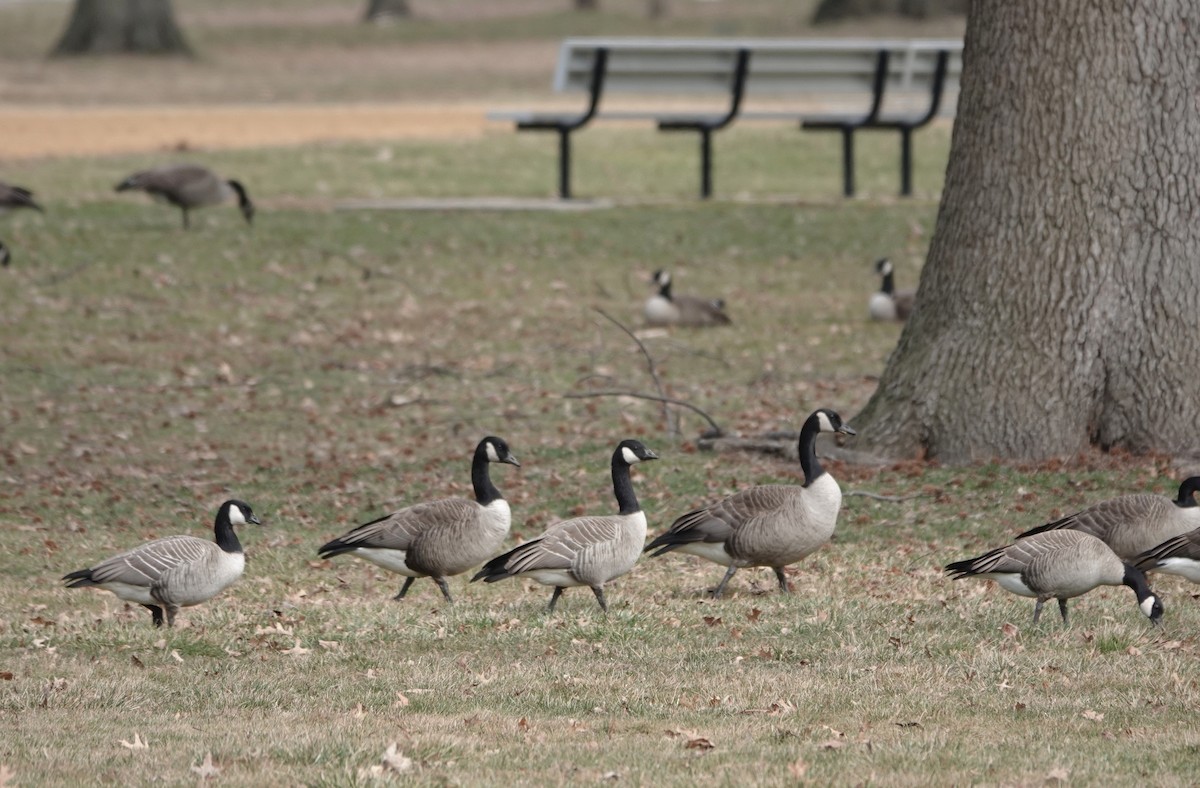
x,y
875,84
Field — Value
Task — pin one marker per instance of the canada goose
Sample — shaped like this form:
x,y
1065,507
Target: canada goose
x,y
1058,565
667,309
175,571
888,303
188,186
13,197
584,551
437,539
1179,555
1132,524
768,525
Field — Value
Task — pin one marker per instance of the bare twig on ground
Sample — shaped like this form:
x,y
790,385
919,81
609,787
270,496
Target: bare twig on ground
x,y
716,428
672,424
887,498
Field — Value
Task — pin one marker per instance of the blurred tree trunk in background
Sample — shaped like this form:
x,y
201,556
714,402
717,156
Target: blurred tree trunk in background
x,y
102,27
382,9
837,10
1058,308
656,9
587,5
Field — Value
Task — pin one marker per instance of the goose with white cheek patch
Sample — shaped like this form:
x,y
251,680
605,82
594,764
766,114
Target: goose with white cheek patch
x,y
1058,565
175,571
1133,524
437,539
584,551
665,308
888,303
772,525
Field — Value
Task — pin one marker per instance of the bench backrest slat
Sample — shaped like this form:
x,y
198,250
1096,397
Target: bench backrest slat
x,y
777,66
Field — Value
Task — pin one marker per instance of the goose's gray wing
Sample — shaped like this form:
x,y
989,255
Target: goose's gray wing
x,y
146,564
398,530
563,543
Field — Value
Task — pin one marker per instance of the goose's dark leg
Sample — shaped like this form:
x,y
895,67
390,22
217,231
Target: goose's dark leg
x,y
783,583
1037,611
408,581
1062,608
554,598
441,583
716,593
599,592
171,611
156,614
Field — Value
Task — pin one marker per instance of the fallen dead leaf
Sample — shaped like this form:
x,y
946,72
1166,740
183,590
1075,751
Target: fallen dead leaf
x,y
798,768
832,744
206,769
6,776
1058,775
395,760
295,650
1094,716
1009,630
401,699
138,743
712,621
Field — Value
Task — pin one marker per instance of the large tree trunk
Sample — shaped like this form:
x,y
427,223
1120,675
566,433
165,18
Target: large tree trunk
x,y
102,27
1059,307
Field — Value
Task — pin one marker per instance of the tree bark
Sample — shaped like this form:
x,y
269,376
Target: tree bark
x,y
839,10
380,9
103,27
1058,306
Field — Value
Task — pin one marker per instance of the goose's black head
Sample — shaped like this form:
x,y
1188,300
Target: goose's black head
x,y
236,512
1187,492
826,420
497,450
244,204
883,266
631,452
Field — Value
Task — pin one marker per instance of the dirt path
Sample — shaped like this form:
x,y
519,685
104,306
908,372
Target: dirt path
x,y
27,132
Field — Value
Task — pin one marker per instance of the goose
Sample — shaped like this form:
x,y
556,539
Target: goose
x,y
5,255
770,525
667,309
888,303
584,551
1179,555
175,571
1132,524
188,186
437,539
1058,565
13,197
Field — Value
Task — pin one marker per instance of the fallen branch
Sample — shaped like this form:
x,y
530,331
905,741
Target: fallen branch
x,y
887,498
672,426
715,432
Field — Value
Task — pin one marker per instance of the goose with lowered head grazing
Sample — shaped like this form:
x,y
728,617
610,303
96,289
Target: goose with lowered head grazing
x,y
771,525
584,551
1058,565
188,186
665,308
175,571
437,539
13,197
1132,524
888,303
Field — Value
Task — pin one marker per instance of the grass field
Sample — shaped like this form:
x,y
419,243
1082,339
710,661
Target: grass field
x,y
329,365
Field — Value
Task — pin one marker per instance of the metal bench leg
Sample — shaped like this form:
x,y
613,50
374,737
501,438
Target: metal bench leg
x,y
705,164
905,162
848,162
564,164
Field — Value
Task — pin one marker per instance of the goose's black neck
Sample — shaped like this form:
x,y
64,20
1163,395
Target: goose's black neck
x,y
1187,492
889,283
664,290
623,485
1136,579
481,480
226,537
808,451
243,199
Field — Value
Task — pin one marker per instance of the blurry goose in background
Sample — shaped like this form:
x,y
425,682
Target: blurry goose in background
x,y
888,303
768,525
1133,524
437,539
584,551
1179,555
13,197
188,186
667,309
5,255
175,571
1058,565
